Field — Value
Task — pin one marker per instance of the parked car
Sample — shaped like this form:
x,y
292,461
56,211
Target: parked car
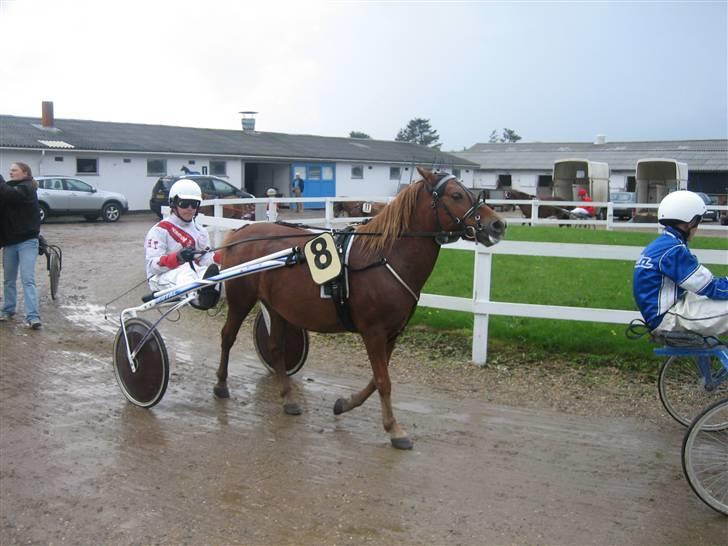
x,y
710,214
212,188
63,196
623,204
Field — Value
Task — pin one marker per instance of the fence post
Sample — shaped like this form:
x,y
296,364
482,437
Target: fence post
x,y
329,212
534,212
481,293
217,212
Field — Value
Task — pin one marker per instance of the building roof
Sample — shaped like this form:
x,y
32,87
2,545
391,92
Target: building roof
x,y
102,136
700,155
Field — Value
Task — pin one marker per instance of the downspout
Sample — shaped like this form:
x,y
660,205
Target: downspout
x,y
40,163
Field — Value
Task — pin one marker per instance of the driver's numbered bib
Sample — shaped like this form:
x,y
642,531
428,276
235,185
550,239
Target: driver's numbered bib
x,y
322,258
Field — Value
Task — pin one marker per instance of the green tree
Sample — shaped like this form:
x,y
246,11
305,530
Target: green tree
x,y
419,131
358,134
509,135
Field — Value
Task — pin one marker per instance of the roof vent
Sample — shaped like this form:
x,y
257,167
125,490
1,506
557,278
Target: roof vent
x,y
248,121
601,139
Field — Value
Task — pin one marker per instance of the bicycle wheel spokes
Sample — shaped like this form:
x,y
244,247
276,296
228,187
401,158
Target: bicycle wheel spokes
x,y
685,390
705,456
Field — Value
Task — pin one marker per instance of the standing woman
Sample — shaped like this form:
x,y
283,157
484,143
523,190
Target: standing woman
x,y
20,226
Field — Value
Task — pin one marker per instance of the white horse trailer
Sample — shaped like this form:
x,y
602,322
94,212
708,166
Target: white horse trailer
x,y
655,178
570,175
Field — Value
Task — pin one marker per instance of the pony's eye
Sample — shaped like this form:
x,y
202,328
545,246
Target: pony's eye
x,y
457,195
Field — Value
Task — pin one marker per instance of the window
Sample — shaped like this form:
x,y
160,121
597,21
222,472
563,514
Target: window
x,y
314,173
77,185
58,158
504,180
357,171
223,188
156,167
86,166
395,173
545,181
218,168
327,173
127,160
456,173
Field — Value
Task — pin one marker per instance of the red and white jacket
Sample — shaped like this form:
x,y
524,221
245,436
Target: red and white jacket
x,y
167,238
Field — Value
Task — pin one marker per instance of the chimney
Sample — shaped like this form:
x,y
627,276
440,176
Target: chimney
x,y
46,120
601,139
248,121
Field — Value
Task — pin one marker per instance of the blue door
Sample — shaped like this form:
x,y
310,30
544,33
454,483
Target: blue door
x,y
319,181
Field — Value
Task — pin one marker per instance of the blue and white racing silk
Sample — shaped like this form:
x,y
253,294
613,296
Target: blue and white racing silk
x,y
665,270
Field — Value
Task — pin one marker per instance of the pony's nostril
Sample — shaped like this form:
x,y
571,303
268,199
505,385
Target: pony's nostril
x,y
499,226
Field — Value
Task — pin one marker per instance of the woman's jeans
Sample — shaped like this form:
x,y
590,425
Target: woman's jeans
x,y
23,256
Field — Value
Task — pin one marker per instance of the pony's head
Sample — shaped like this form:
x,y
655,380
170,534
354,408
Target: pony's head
x,y
458,211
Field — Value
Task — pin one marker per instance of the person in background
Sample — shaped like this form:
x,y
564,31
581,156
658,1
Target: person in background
x,y
672,290
297,190
175,247
19,231
584,210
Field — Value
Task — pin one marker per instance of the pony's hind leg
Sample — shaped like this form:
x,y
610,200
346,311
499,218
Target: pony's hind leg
x,y
237,311
278,351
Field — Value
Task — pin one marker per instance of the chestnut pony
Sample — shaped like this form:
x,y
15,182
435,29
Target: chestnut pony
x,y
544,211
382,298
355,209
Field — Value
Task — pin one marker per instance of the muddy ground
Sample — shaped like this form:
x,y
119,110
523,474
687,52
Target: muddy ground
x,y
520,452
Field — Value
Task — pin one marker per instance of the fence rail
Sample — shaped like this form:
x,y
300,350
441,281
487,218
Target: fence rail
x,y
480,303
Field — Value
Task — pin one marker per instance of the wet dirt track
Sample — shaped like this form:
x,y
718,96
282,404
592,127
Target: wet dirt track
x,y
80,465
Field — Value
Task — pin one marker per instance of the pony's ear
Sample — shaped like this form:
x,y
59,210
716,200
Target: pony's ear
x,y
424,173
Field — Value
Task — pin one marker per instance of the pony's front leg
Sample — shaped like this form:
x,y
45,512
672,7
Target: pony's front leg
x,y
343,405
379,351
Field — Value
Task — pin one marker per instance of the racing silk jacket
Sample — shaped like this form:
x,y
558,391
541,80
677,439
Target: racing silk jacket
x,y
664,271
169,236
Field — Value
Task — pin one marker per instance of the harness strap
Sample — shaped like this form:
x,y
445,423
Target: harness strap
x,y
393,272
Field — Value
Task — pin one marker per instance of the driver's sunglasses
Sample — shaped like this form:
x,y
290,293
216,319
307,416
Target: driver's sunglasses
x,y
188,203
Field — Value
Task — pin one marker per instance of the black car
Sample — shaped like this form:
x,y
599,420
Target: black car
x,y
710,214
212,188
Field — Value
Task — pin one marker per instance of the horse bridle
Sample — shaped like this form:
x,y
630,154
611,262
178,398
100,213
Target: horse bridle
x,y
465,231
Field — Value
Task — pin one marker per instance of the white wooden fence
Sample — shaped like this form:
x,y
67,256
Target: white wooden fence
x,y
480,304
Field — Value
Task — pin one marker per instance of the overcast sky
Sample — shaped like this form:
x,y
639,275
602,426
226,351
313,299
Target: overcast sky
x,y
552,71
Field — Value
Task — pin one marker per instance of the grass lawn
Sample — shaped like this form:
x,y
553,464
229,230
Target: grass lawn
x,y
552,281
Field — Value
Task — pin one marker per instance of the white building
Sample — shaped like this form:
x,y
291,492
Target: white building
x,y
528,166
129,158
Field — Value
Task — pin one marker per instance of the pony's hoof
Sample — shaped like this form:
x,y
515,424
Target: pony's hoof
x,y
292,409
221,392
339,406
402,443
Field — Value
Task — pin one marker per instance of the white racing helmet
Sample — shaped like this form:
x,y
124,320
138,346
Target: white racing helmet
x,y
681,206
184,188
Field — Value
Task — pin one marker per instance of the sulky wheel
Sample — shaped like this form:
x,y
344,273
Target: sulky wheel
x,y
296,345
146,385
684,388
54,268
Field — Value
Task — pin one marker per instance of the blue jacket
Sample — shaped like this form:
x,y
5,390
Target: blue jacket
x,y
665,270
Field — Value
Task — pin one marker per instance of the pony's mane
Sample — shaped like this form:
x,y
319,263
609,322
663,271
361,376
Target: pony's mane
x,y
392,221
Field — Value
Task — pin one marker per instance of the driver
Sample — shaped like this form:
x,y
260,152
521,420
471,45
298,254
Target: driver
x,y
173,246
672,290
